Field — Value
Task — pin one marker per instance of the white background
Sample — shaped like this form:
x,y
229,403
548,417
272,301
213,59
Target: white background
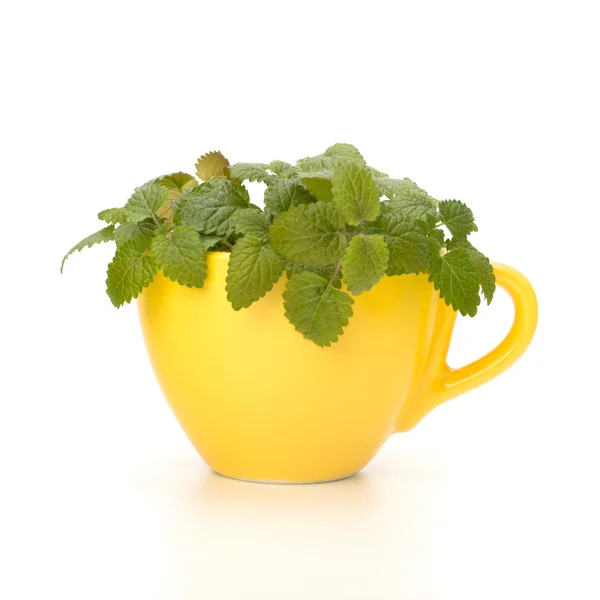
x,y
494,495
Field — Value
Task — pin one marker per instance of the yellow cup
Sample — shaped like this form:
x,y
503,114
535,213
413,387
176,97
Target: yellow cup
x,y
261,403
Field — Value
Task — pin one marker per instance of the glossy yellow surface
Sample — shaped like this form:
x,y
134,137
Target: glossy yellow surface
x,y
260,402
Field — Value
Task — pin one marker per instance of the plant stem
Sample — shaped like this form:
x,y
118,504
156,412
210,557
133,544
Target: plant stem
x,y
335,272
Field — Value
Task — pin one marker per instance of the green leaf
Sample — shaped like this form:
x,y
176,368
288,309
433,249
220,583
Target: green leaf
x,y
315,308
435,244
401,189
315,175
365,262
254,267
145,202
328,272
438,234
331,158
177,184
251,221
281,195
211,166
316,164
485,274
112,215
345,152
210,241
129,231
210,206
411,191
381,222
483,267
408,245
131,270
457,217
387,186
250,171
454,275
309,234
375,174
319,184
282,168
355,193
126,232
104,235
418,209
181,256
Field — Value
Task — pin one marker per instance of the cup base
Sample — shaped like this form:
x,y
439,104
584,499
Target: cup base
x,y
286,482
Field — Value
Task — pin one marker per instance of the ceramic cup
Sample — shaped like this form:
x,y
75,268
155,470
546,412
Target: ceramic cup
x,y
259,402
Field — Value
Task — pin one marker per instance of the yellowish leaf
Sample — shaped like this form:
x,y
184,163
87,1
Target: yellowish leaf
x,y
212,165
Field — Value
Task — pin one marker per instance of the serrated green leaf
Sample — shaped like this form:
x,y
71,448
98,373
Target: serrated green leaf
x,y
309,234
177,184
145,202
305,175
315,308
115,216
251,221
483,267
129,231
250,172
318,184
411,191
380,224
104,235
401,189
131,270
355,193
282,168
126,232
457,217
376,174
438,234
454,275
254,267
210,206
435,244
283,194
365,262
210,241
181,256
332,157
387,186
328,272
317,164
485,274
345,152
408,245
212,165
419,209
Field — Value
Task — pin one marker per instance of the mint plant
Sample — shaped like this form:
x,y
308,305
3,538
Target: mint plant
x,y
333,225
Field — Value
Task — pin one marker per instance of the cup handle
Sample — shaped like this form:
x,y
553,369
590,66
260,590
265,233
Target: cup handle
x,y
441,382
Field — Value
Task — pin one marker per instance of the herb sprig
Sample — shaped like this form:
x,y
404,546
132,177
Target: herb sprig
x,y
331,223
